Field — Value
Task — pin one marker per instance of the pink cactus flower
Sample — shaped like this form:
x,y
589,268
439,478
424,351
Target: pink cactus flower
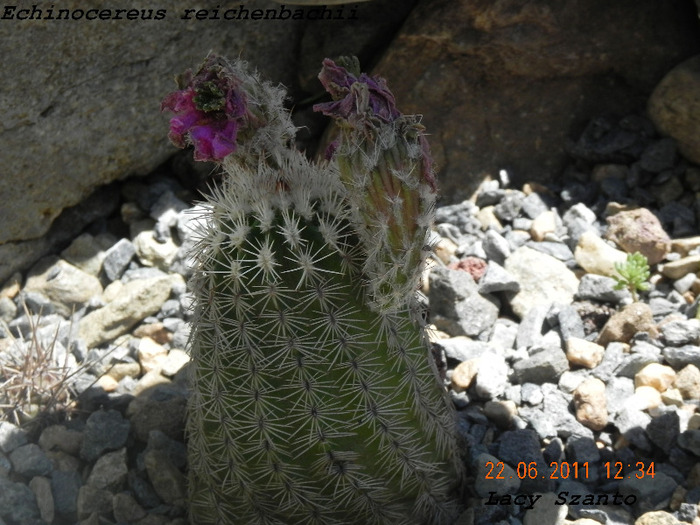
x,y
209,112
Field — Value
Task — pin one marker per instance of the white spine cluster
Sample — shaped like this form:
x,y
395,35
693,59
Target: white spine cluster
x,y
310,406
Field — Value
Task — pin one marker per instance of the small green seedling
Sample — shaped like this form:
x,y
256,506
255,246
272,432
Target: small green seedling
x,y
633,274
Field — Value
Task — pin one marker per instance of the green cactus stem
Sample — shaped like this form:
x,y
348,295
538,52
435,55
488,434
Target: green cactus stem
x,y
310,405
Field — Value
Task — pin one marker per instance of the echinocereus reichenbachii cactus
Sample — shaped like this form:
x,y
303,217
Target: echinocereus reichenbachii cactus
x,y
314,396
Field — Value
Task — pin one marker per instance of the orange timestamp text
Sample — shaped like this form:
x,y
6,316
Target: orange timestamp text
x,y
568,470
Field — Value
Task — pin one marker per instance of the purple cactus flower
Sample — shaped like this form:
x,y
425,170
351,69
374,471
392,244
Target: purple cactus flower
x,y
355,97
364,103
209,112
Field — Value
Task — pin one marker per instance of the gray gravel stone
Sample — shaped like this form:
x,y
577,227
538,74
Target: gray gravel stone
x,y
632,423
176,450
109,471
558,250
570,323
556,406
170,308
523,446
29,461
661,307
18,504
504,334
142,490
489,194
463,349
531,394
600,288
687,512
496,247
659,155
531,328
104,431
41,487
663,430
460,215
510,206
456,305
577,220
483,485
617,390
117,259
542,367
517,238
11,436
492,376
520,223
58,437
93,500
690,441
533,205
181,336
37,302
682,332
641,354
497,279
126,508
540,423
65,485
167,480
613,358
570,380
581,450
162,408
651,492
682,356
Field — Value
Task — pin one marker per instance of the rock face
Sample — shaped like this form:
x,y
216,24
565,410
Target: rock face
x,y
82,105
502,84
675,107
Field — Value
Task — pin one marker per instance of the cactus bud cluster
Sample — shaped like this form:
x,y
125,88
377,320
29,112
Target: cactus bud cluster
x,y
314,396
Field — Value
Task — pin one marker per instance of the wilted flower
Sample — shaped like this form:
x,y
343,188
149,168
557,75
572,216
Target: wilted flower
x,y
210,109
355,97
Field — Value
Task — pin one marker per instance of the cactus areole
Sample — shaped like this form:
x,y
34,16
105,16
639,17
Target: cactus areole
x,y
314,396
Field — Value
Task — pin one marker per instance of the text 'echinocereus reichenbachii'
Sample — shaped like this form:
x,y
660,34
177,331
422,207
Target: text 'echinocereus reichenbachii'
x,y
314,396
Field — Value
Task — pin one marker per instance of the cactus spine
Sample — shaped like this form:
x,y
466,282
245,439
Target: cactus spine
x,y
314,399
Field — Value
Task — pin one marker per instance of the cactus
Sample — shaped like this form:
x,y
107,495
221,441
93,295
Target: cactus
x,y
314,398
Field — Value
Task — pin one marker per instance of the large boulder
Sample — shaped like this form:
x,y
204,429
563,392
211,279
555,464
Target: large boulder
x,y
674,106
81,98
503,84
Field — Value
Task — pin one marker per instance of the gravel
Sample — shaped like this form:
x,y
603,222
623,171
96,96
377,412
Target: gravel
x,y
547,392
